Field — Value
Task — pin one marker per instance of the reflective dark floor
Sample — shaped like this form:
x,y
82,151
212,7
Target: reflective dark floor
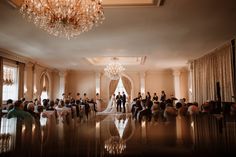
x,y
120,135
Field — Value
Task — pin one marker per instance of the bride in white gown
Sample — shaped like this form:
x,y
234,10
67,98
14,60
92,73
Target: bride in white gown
x,y
111,107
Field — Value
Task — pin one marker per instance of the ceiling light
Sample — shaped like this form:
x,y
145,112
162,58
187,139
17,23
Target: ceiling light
x,y
114,69
63,18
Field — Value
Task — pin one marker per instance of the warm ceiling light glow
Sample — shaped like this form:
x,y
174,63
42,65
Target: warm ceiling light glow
x,y
114,70
63,18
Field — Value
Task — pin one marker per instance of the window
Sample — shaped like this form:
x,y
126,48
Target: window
x,y
10,82
120,88
44,95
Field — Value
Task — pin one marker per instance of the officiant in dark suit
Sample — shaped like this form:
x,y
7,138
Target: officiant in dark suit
x,y
118,101
123,101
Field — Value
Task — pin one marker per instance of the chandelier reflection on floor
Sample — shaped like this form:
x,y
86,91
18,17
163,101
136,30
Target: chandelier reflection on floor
x,y
63,18
114,70
115,145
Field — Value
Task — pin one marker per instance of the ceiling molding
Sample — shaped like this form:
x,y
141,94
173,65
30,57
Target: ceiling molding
x,y
131,60
12,56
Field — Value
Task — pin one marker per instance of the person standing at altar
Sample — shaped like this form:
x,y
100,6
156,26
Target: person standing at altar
x,y
163,96
118,102
123,101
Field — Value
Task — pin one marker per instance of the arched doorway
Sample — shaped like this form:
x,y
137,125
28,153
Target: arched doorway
x,y
123,84
44,86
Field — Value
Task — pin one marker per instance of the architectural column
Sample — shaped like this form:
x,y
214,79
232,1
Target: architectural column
x,y
142,83
21,70
28,81
62,86
34,82
98,82
1,80
190,82
176,74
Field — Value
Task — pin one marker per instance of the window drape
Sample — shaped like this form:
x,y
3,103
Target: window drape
x,y
1,80
21,68
127,85
112,87
210,69
234,68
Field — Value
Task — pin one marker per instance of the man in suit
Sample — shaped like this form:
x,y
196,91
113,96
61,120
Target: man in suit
x,y
118,101
123,101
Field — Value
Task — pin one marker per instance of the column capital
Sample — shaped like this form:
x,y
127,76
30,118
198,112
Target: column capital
x,y
142,74
176,72
98,74
62,73
190,66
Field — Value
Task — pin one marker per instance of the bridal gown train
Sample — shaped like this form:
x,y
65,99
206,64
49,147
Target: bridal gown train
x,y
111,107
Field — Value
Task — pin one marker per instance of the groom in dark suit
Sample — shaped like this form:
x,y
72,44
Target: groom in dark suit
x,y
123,101
118,101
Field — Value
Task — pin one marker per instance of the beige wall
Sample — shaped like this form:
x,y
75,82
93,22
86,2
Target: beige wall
x,y
33,74
158,81
184,84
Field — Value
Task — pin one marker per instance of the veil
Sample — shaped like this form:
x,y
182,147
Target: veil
x,y
111,107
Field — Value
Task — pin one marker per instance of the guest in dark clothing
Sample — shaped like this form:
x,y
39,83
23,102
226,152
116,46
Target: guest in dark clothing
x,y
163,96
51,106
30,109
148,99
118,102
123,101
146,111
18,112
148,96
136,108
155,97
139,96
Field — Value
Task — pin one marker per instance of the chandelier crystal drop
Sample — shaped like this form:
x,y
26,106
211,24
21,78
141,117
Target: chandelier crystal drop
x,y
63,18
114,70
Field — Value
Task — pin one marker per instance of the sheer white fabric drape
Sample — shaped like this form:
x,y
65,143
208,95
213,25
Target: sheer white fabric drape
x,y
210,69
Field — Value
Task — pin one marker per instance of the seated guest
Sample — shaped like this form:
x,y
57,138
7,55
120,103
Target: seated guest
x,y
162,107
67,103
9,104
193,109
51,106
170,113
45,103
30,109
139,97
155,110
39,109
19,113
146,111
207,107
136,108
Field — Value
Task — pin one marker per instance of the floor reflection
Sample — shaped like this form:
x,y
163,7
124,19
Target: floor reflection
x,y
120,135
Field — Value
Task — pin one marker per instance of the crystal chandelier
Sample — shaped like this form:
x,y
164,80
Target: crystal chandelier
x,y
63,18
115,145
8,76
114,70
